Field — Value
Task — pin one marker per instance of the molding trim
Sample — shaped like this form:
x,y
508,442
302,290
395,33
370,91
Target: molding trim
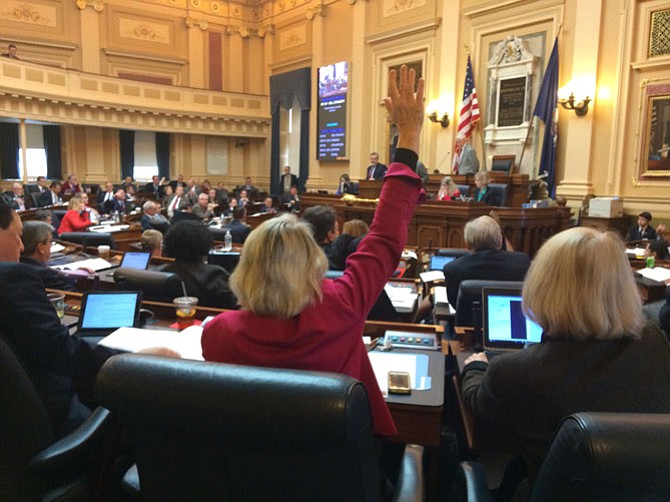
x,y
98,5
38,43
405,31
307,60
655,63
132,55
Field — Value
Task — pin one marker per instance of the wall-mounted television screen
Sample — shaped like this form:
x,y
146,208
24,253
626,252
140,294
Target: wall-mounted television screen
x,y
332,113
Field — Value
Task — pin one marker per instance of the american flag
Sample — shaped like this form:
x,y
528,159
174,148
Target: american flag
x,y
469,113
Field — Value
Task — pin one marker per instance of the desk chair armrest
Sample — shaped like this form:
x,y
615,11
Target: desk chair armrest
x,y
81,448
476,486
410,486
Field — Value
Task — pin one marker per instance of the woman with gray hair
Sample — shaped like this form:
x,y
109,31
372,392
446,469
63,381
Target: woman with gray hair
x,y
36,240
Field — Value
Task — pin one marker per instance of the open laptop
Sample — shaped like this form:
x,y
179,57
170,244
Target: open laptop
x,y
102,312
504,325
134,259
438,262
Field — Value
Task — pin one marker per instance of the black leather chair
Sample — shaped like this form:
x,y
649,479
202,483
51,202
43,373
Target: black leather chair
x,y
469,292
455,252
501,192
225,259
598,457
503,163
33,465
90,238
155,286
209,431
464,189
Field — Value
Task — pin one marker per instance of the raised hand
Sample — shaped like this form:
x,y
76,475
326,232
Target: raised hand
x,y
405,108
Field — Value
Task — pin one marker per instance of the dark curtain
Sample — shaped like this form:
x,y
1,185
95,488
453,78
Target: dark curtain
x,y
163,154
127,147
283,89
52,146
9,150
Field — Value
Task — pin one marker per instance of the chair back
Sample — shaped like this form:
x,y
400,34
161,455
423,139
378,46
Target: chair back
x,y
210,431
24,424
607,457
501,192
464,189
503,163
90,238
455,252
469,292
155,286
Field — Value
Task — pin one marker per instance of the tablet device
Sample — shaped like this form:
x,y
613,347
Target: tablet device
x,y
102,312
504,325
138,260
438,262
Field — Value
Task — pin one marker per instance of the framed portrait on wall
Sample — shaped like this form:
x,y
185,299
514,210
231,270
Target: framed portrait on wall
x,y
654,152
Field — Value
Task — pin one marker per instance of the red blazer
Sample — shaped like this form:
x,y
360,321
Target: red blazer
x,y
74,221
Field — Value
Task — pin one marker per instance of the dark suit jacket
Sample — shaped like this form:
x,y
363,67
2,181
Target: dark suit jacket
x,y
52,278
634,233
238,230
489,197
117,205
294,181
288,198
487,264
156,190
52,358
380,171
209,283
46,199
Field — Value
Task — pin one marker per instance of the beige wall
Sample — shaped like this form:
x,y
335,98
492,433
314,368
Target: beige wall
x,y
603,42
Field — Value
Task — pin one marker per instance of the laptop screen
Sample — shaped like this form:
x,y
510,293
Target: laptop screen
x,y
138,260
109,310
438,262
505,326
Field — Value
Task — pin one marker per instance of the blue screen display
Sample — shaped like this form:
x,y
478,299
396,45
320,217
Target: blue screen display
x,y
109,310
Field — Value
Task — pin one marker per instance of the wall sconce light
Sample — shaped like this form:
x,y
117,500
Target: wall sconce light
x,y
580,107
443,120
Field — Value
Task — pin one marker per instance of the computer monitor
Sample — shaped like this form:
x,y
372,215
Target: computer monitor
x,y
438,262
505,325
138,260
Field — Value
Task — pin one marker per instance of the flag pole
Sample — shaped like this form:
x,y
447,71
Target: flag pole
x,y
523,148
481,139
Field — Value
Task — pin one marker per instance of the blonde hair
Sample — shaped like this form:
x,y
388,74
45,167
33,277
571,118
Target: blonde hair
x,y
75,203
580,286
151,240
482,176
482,233
355,228
275,257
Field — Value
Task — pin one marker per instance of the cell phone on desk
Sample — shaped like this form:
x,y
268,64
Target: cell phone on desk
x,y
399,382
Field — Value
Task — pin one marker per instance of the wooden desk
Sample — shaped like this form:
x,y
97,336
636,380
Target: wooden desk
x,y
619,225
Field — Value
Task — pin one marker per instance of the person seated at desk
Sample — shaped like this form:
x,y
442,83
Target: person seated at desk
x,y
345,185
448,190
76,219
155,187
93,215
643,230
325,228
292,317
119,203
167,195
152,217
52,196
129,183
52,358
597,352
71,186
151,241
203,209
487,261
376,170
17,198
268,207
249,189
105,197
292,199
36,252
347,242
243,199
239,230
482,192
189,242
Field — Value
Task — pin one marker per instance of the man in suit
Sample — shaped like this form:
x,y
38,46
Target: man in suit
x,y
16,197
178,182
52,196
486,261
465,157
119,203
155,187
292,199
325,229
42,184
249,188
287,181
203,209
376,170
53,359
105,198
238,227
175,200
643,229
483,193
71,186
36,240
152,219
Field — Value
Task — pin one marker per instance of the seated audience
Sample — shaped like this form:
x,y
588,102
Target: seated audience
x,y
36,252
291,316
487,260
155,187
53,359
345,185
643,230
292,199
119,203
239,230
189,242
243,199
52,196
325,228
448,190
267,207
203,209
152,217
76,218
129,183
249,189
167,195
151,241
71,186
597,352
482,192
93,215
105,197
656,248
16,197
347,242
174,201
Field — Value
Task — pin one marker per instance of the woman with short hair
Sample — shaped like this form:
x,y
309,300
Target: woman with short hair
x,y
597,352
76,219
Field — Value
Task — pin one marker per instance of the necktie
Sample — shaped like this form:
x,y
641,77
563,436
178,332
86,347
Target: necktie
x,y
371,173
175,202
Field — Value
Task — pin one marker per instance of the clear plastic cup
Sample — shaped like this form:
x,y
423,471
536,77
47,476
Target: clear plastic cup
x,y
185,307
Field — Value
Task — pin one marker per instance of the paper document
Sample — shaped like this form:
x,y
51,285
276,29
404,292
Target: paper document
x,y
94,264
408,254
402,297
659,274
414,364
56,248
109,228
432,276
186,342
638,251
441,295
